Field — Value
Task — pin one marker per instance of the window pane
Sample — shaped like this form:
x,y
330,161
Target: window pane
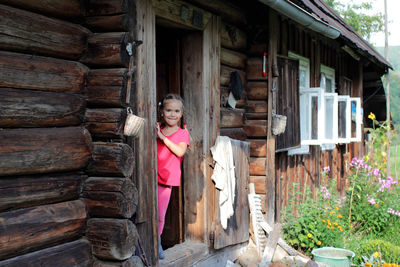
x,y
303,78
304,117
329,118
329,85
342,119
314,118
353,119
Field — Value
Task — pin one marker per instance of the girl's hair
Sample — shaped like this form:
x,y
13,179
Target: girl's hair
x,y
161,105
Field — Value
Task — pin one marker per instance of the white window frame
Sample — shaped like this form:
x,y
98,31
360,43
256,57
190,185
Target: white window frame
x,y
358,119
327,73
347,139
308,94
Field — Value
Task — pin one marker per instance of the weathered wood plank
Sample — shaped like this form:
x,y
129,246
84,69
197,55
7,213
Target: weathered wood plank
x,y
76,253
30,151
22,192
257,90
33,33
259,184
106,122
257,106
257,147
182,13
28,229
112,239
257,166
41,73
255,128
133,261
233,37
114,159
55,8
107,49
233,59
226,75
26,108
254,69
231,118
110,197
234,133
256,115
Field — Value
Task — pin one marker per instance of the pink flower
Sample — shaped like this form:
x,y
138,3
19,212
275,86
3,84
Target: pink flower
x,y
325,192
372,201
326,169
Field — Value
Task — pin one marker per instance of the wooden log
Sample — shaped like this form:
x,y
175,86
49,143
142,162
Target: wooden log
x,y
41,73
107,49
22,192
257,147
29,32
111,159
234,133
30,151
231,118
75,253
117,15
257,90
232,37
181,13
55,8
225,95
107,87
226,75
106,122
256,115
259,183
228,11
26,108
254,68
133,261
257,106
29,229
233,59
257,166
110,197
255,128
113,239
257,50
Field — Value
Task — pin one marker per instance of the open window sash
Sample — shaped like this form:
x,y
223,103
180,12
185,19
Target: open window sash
x,y
312,109
344,119
331,118
356,119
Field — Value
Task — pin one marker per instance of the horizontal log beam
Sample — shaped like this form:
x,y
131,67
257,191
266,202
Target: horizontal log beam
x,y
112,239
231,118
260,183
233,59
256,115
240,103
232,37
255,128
226,75
254,68
110,197
257,166
257,106
31,151
257,90
55,8
29,32
27,108
107,87
133,261
22,192
41,73
257,147
234,133
105,122
107,49
29,229
111,159
76,253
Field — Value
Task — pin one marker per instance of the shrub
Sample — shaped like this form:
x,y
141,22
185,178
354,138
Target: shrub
x,y
389,253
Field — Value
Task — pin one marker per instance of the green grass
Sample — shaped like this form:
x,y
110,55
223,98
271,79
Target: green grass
x,y
395,160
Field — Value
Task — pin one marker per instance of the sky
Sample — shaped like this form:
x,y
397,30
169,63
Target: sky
x,y
393,7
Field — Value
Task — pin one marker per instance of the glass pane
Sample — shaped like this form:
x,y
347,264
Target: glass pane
x,y
303,78
342,119
314,117
329,118
329,85
353,119
304,118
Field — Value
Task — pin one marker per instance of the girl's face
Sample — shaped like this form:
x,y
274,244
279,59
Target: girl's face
x,y
172,112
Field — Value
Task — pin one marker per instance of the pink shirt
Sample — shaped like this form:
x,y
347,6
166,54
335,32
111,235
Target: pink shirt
x,y
168,164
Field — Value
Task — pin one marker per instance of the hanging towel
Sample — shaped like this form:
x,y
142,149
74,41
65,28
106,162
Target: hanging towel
x,y
224,177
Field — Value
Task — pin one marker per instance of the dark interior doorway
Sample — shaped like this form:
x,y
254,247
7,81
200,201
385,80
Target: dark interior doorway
x,y
169,80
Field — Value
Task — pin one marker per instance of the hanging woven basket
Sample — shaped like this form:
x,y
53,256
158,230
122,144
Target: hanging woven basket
x,y
133,124
278,124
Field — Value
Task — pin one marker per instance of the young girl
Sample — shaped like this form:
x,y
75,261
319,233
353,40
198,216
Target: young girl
x,y
172,142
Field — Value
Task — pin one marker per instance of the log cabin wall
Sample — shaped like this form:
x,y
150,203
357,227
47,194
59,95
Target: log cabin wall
x,y
66,191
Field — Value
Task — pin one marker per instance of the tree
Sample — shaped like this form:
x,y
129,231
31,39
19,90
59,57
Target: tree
x,y
356,16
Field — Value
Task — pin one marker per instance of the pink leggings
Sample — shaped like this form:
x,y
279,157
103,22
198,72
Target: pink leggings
x,y
164,194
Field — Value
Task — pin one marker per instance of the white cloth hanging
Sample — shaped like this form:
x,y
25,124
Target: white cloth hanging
x,y
224,177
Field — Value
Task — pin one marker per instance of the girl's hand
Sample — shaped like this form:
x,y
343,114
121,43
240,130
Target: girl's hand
x,y
159,133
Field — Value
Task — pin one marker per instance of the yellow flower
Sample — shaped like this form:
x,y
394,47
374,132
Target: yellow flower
x,y
335,223
371,116
309,235
367,264
339,216
340,228
323,220
351,226
329,222
331,212
319,243
376,255
337,207
367,158
328,226
383,153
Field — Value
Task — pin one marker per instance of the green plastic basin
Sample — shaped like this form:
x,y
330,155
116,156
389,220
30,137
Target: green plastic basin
x,y
333,257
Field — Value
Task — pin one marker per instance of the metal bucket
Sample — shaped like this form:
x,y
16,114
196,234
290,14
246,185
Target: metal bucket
x,y
333,257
